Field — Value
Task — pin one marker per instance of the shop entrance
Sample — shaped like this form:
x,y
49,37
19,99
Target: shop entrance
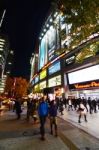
x,y
94,94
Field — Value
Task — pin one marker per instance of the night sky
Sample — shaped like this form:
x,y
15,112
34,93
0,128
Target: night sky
x,y
22,24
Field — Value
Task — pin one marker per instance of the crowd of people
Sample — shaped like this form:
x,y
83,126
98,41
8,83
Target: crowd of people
x,y
42,107
81,105
39,109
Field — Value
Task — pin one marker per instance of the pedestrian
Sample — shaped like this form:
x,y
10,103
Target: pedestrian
x,y
82,112
43,113
90,105
70,106
18,107
61,108
29,108
53,117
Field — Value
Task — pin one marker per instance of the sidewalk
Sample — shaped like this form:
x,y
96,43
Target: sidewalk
x,y
91,127
33,143
20,135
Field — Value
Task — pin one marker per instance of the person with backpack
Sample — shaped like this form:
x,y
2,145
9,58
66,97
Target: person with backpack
x,y
43,113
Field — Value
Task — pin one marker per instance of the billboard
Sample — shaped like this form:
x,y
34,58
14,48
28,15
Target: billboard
x,y
36,79
43,74
32,82
55,81
36,88
43,52
87,74
51,43
54,68
42,85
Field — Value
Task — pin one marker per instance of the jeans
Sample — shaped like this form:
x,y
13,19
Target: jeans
x,y
42,125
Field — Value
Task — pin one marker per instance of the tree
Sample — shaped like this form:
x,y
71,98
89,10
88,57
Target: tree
x,y
16,86
83,16
9,86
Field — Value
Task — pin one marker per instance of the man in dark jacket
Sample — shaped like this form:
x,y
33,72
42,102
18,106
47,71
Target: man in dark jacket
x,y
18,107
42,112
53,116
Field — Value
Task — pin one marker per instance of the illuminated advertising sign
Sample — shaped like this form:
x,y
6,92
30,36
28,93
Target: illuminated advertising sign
x,y
54,68
32,82
87,74
54,81
85,78
85,85
43,74
43,52
70,60
36,79
36,87
51,42
42,85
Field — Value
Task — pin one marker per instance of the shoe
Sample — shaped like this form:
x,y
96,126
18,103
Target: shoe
x,y
43,138
56,135
86,121
79,121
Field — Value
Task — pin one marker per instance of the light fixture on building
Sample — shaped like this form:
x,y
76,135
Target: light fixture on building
x,y
1,49
1,46
44,30
11,52
47,25
40,38
1,43
51,20
55,14
8,72
2,40
9,63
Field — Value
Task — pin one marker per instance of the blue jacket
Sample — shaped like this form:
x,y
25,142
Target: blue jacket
x,y
43,109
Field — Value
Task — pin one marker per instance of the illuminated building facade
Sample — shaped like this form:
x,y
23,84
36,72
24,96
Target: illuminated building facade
x,y
6,60
59,70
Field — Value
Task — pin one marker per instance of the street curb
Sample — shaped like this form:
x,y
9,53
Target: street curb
x,y
68,142
70,122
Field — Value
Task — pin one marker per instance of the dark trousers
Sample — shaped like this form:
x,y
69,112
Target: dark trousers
x,y
42,125
18,115
84,118
53,122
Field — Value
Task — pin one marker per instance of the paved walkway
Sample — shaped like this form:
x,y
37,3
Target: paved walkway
x,y
20,135
91,127
33,143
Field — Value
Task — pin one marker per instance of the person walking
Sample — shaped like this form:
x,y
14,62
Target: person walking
x,y
53,117
61,108
18,107
43,113
70,106
29,108
82,112
90,105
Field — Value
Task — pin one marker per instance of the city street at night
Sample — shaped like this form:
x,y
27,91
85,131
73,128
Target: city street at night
x,y
49,75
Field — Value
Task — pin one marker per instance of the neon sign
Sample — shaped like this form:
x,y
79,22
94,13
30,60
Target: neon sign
x,y
81,86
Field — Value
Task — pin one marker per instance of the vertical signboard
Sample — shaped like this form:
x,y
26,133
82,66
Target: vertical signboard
x,y
51,43
43,52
